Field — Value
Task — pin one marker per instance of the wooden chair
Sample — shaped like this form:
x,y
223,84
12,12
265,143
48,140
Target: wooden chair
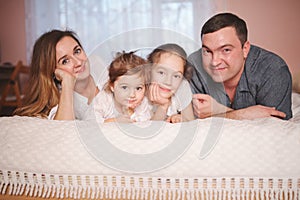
x,y
11,95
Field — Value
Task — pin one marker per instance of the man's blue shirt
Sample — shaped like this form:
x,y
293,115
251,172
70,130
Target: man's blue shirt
x,y
266,80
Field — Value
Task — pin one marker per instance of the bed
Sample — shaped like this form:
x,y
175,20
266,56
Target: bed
x,y
212,158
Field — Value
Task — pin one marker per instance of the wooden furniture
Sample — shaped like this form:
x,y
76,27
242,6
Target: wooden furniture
x,y
11,94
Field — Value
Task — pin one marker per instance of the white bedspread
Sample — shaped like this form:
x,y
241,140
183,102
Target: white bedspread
x,y
32,149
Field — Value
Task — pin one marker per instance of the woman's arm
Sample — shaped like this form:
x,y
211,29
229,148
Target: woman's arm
x,y
65,110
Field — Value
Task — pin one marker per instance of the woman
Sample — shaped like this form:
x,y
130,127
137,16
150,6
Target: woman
x,y
59,66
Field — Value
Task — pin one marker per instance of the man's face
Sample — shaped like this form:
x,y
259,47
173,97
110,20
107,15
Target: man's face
x,y
223,55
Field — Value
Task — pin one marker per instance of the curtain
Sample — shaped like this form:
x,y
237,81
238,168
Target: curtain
x,y
116,25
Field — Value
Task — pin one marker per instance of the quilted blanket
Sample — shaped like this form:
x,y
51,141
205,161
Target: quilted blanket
x,y
151,160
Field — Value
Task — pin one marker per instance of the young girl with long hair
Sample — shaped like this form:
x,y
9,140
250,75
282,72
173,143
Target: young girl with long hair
x,y
169,90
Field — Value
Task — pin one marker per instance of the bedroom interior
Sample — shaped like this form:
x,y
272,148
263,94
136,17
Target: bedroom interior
x,y
246,160
284,14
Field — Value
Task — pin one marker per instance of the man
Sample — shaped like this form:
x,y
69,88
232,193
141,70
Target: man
x,y
235,79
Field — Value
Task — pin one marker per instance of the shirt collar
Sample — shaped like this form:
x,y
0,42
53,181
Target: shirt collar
x,y
243,83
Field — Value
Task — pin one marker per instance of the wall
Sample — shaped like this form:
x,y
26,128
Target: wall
x,y
12,31
273,24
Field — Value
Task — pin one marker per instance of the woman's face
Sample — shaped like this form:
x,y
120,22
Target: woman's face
x,y
129,91
168,73
71,57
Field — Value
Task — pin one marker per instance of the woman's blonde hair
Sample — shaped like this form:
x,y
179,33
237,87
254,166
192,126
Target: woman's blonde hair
x,y
42,93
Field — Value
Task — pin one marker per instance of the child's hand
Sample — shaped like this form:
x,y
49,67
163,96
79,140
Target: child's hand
x,y
121,119
155,97
110,120
124,119
127,111
174,118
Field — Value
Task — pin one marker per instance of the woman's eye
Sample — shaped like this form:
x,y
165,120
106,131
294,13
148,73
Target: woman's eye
x,y
124,87
65,61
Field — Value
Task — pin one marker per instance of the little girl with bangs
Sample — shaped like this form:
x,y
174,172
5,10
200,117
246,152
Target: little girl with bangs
x,y
123,99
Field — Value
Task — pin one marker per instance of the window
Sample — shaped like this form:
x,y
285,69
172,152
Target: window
x,y
96,21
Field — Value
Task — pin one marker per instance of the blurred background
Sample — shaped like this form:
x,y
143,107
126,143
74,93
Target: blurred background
x,y
272,24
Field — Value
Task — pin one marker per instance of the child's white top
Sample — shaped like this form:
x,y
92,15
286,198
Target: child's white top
x,y
104,108
181,99
83,111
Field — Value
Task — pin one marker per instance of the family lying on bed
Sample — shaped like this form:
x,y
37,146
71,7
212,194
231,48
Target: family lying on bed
x,y
227,77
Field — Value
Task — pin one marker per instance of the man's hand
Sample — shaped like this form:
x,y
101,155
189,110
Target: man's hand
x,y
206,106
254,112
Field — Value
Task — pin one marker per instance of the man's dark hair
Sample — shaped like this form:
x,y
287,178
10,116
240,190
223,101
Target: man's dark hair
x,y
223,20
